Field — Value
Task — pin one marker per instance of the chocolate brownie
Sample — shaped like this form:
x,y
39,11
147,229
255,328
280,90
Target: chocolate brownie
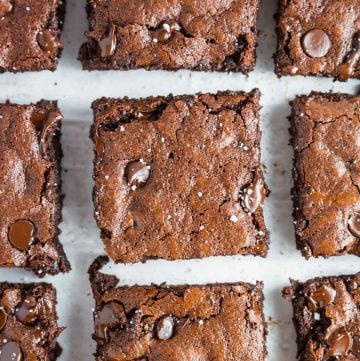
x,y
28,322
319,37
30,206
198,35
179,177
30,34
325,131
327,318
177,323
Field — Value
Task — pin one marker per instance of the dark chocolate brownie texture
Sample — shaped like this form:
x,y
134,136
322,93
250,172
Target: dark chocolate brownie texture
x,y
325,132
198,35
30,34
178,323
179,177
319,37
30,207
327,318
28,322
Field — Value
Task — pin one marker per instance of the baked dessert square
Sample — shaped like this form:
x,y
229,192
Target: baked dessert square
x,y
217,321
181,34
319,38
30,34
327,317
28,322
30,207
179,177
325,130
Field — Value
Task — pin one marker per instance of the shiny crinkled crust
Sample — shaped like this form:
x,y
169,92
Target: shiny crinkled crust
x,y
199,160
325,130
198,35
30,34
178,323
28,322
333,53
30,188
327,317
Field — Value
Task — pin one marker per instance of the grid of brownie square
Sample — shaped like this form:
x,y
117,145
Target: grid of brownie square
x,y
327,317
325,132
311,42
30,207
197,35
28,322
179,177
208,322
30,34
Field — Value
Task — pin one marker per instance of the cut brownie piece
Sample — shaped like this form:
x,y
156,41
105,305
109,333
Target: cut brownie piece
x,y
179,177
197,35
30,34
28,322
319,37
30,207
325,131
327,318
178,323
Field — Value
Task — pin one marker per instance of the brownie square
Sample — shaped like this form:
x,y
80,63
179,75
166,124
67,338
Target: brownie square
x,y
327,317
28,322
179,177
319,38
208,322
30,34
325,131
198,35
30,207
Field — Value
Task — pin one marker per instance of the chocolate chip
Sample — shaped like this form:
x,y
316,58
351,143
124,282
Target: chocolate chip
x,y
10,351
21,234
108,44
165,328
3,318
28,311
254,195
164,32
5,7
346,70
354,225
111,315
340,343
356,346
316,43
323,296
48,41
137,173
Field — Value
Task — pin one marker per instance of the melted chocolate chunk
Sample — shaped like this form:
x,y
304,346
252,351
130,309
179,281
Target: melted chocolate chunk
x,y
165,328
21,234
28,311
347,69
254,195
5,7
356,346
3,318
111,315
339,344
108,44
354,225
164,32
316,43
10,351
137,173
323,296
48,41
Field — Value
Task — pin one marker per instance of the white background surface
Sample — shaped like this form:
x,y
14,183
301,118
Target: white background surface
x,y
76,89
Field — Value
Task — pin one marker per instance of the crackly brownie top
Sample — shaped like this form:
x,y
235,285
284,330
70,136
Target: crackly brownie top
x,y
319,37
178,323
327,317
179,177
325,135
30,34
30,187
28,322
203,34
